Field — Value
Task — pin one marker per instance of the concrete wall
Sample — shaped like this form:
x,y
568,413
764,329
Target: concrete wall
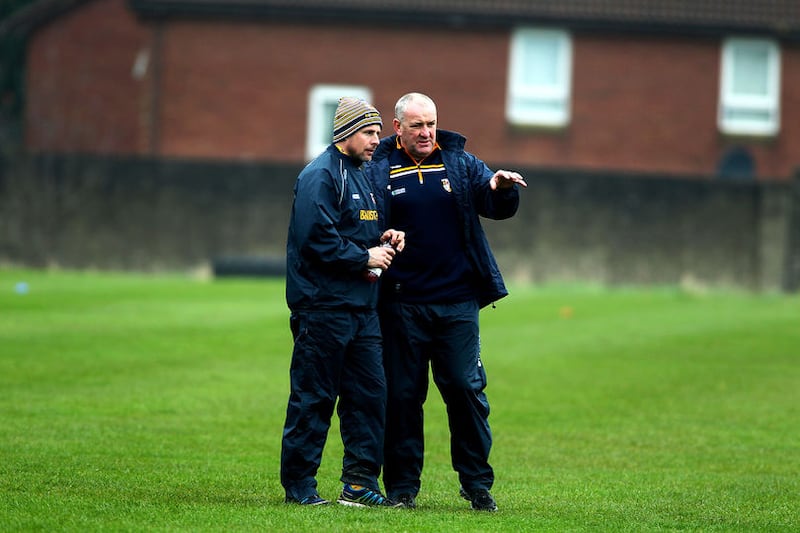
x,y
647,230
146,214
123,213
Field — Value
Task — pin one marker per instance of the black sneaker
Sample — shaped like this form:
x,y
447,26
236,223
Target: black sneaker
x,y
360,496
314,499
480,499
407,501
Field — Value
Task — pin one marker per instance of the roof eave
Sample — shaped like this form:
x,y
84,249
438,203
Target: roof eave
x,y
149,9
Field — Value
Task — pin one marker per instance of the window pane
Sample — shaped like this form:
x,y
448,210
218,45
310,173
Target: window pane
x,y
750,70
540,57
752,115
328,111
526,106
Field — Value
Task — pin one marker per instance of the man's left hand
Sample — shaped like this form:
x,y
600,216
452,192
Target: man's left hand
x,y
505,179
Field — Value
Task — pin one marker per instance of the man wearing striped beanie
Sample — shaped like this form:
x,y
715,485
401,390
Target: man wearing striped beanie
x,y
352,114
335,237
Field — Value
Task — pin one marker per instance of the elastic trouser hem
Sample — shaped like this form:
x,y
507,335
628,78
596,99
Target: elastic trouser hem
x,y
471,485
364,481
300,491
396,491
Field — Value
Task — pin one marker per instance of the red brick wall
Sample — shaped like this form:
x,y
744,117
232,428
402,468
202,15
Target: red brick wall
x,y
782,156
646,103
240,90
81,96
235,90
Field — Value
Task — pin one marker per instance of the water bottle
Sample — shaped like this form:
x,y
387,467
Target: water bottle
x,y
372,274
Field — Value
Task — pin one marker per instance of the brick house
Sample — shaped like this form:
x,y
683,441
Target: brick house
x,y
643,86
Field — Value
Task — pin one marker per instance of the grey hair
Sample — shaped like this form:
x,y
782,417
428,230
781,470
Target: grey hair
x,y
402,104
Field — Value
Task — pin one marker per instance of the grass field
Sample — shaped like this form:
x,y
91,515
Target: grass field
x,y
157,402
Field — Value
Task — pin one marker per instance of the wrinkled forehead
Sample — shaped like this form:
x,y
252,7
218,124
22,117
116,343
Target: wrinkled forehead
x,y
419,111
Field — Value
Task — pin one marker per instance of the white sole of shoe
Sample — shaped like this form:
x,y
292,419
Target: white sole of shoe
x,y
352,504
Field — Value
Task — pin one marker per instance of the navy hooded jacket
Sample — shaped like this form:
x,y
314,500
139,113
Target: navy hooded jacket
x,y
334,221
469,178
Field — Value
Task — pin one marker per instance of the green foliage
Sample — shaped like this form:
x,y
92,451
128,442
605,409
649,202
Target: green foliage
x,y
156,403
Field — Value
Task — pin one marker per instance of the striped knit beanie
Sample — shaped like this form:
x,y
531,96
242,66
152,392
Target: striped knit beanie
x,y
352,114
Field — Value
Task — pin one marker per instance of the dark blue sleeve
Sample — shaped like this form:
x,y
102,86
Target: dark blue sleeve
x,y
495,205
317,216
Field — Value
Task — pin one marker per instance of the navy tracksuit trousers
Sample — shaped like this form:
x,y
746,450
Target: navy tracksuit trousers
x,y
446,336
336,355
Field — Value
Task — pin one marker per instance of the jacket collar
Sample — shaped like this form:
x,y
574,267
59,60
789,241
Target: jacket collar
x,y
351,161
447,141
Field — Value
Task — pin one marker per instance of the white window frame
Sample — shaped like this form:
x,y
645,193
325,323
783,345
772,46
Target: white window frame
x,y
731,102
556,96
319,133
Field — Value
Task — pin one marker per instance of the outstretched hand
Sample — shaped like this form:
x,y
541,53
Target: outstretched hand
x,y
505,179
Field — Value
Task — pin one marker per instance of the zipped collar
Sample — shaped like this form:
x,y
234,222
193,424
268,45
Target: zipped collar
x,y
400,146
354,161
446,140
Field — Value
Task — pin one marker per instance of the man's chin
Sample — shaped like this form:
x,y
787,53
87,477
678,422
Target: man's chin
x,y
424,149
